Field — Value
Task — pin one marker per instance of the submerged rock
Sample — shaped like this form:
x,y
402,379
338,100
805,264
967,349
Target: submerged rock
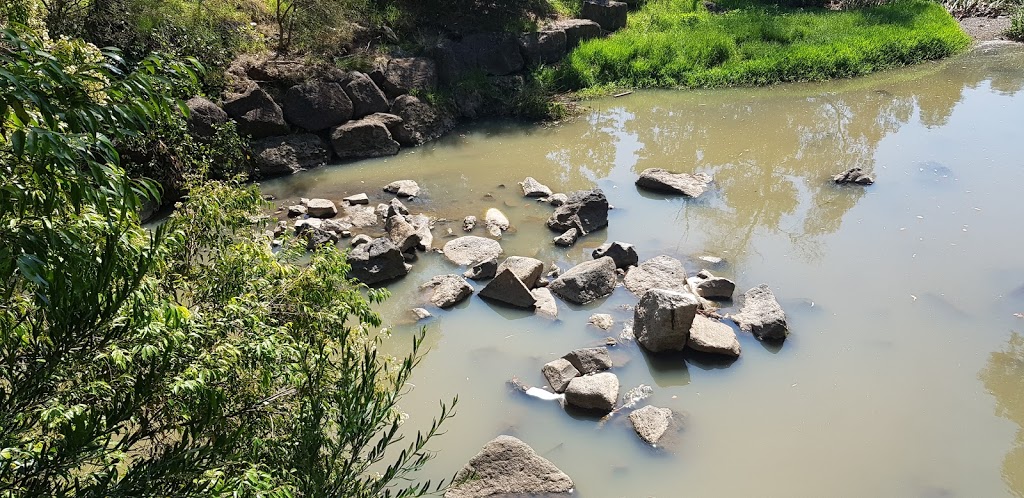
x,y
659,272
593,392
528,270
602,321
712,336
558,374
533,188
855,176
761,315
586,282
471,249
662,320
622,253
507,288
357,199
651,423
507,466
661,180
447,290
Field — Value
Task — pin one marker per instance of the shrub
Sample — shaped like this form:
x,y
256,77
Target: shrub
x,y
1016,30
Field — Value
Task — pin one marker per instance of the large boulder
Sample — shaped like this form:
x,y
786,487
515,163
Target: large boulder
x,y
577,30
586,281
558,374
651,423
365,137
708,286
378,261
593,392
662,320
590,360
470,249
507,466
421,122
447,290
255,112
289,154
529,270
659,272
761,315
622,253
317,105
404,75
402,233
204,116
366,97
712,336
546,46
611,15
586,210
507,288
661,180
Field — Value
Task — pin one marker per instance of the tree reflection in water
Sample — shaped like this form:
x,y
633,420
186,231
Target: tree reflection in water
x,y
1003,377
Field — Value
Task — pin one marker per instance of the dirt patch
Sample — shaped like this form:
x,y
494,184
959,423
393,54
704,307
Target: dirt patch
x,y
986,28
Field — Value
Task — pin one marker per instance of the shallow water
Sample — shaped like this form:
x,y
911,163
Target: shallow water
x,y
904,371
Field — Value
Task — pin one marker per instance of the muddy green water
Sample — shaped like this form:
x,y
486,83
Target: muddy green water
x,y
904,371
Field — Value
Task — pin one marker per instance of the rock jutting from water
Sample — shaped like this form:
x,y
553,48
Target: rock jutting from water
x,y
377,261
558,374
659,272
357,199
590,360
533,188
586,281
712,336
651,423
470,249
597,392
507,288
622,253
855,176
586,210
761,315
661,180
528,270
708,286
507,466
321,208
402,233
447,290
662,320
484,270
567,239
545,304
420,313
403,188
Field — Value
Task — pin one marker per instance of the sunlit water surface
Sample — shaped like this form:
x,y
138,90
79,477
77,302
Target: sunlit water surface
x,y
904,371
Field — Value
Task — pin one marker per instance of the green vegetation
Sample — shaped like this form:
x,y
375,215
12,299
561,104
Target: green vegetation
x,y
677,43
186,360
1017,24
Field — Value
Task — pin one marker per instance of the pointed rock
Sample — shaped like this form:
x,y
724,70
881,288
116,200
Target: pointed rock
x,y
528,270
712,336
508,289
402,233
660,272
558,374
586,282
507,466
447,290
651,423
422,225
567,239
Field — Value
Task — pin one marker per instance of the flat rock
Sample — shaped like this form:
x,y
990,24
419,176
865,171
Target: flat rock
x,y
321,208
545,304
651,423
708,286
420,314
577,30
447,290
590,360
482,271
661,180
533,188
602,321
662,319
659,272
586,281
622,253
712,336
357,199
507,288
567,239
359,216
558,374
528,270
593,392
507,466
470,249
403,188
761,315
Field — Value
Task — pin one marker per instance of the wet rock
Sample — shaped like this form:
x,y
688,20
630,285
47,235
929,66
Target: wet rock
x,y
528,270
402,233
586,210
357,199
555,271
577,30
483,270
545,304
422,224
361,239
421,122
586,282
533,188
507,466
712,336
507,288
204,117
404,75
363,138
761,315
708,286
659,272
855,176
403,188
470,249
546,46
468,223
662,320
317,105
321,208
256,114
377,261
420,314
567,239
289,154
593,392
622,253
366,97
602,321
296,210
359,216
590,360
651,423
611,15
558,374
660,180
447,290
395,206
558,199
496,222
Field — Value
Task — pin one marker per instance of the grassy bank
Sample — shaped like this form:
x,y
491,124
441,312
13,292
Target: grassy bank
x,y
678,43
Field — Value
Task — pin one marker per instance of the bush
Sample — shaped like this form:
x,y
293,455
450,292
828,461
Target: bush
x,y
1016,30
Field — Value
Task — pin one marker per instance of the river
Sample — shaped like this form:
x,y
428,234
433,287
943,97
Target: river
x,y
903,374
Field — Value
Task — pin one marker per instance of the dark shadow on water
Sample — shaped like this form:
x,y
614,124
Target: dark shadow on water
x,y
668,369
773,347
583,414
708,361
506,311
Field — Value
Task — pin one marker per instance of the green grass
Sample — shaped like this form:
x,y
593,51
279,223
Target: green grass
x,y
1017,24
677,43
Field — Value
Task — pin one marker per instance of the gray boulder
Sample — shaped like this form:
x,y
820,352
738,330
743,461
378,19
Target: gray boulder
x,y
659,272
288,154
256,114
558,374
507,288
402,233
404,75
447,290
363,138
470,249
611,15
507,466
422,224
533,188
359,216
586,210
403,188
321,208
761,315
377,261
855,176
204,116
586,282
528,270
622,253
708,286
366,97
712,336
651,423
545,304
577,30
317,105
593,392
395,206
660,180
482,271
543,47
567,239
421,122
590,360
662,320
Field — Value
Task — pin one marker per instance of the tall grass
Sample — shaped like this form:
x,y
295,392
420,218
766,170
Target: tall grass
x,y
677,43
